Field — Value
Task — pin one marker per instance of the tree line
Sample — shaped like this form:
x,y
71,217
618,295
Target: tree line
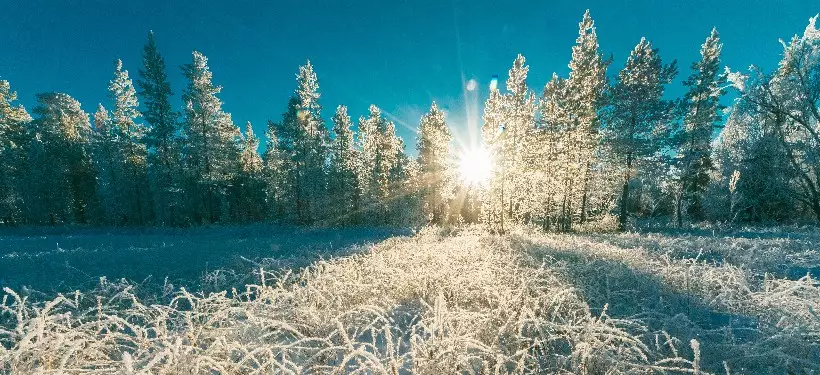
x,y
590,147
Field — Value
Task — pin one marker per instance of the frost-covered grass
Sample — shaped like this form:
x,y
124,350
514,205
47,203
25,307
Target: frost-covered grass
x,y
439,302
720,289
58,259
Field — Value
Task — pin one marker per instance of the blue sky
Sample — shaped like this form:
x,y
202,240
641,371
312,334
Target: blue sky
x,y
399,55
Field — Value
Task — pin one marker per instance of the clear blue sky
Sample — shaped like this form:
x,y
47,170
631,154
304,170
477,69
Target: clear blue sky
x,y
399,55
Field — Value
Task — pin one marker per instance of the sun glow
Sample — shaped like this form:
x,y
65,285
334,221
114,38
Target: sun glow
x,y
475,166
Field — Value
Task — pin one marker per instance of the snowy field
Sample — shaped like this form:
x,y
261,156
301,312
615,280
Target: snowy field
x,y
62,260
391,301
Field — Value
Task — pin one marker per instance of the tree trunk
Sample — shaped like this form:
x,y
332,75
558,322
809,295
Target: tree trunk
x,y
622,218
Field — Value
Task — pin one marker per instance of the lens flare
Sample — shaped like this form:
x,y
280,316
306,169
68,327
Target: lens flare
x,y
475,166
471,85
494,82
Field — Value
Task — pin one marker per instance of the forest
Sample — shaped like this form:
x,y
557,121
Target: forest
x,y
597,147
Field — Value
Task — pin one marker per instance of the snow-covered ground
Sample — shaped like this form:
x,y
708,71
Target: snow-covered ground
x,y
432,302
60,260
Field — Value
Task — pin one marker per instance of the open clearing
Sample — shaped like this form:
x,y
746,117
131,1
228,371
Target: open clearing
x,y
431,302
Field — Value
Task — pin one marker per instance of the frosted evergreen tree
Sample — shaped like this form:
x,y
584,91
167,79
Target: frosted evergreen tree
x,y
62,179
344,190
402,202
309,148
248,189
274,174
586,84
134,153
212,143
554,157
638,115
380,150
109,161
703,113
436,179
282,180
496,195
14,143
163,136
509,121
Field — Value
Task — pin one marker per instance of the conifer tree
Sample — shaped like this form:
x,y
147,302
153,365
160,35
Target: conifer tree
x,y
638,115
436,173
248,187
274,175
309,148
281,170
133,151
380,155
63,181
14,143
163,136
586,85
552,158
509,121
496,195
212,143
703,114
109,162
344,190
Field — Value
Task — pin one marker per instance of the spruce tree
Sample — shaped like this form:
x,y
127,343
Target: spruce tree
x,y
703,114
436,180
275,178
63,178
344,191
134,153
638,115
14,142
248,187
380,163
109,162
212,144
496,194
280,164
509,121
309,151
586,85
163,136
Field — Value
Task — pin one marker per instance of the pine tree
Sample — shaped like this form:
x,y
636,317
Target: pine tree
x,y
163,136
14,143
552,158
309,151
212,143
63,181
109,162
381,168
436,172
494,141
703,114
638,114
509,121
344,190
248,187
134,153
281,171
586,85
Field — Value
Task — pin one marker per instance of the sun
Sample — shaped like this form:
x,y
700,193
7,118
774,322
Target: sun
x,y
475,166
